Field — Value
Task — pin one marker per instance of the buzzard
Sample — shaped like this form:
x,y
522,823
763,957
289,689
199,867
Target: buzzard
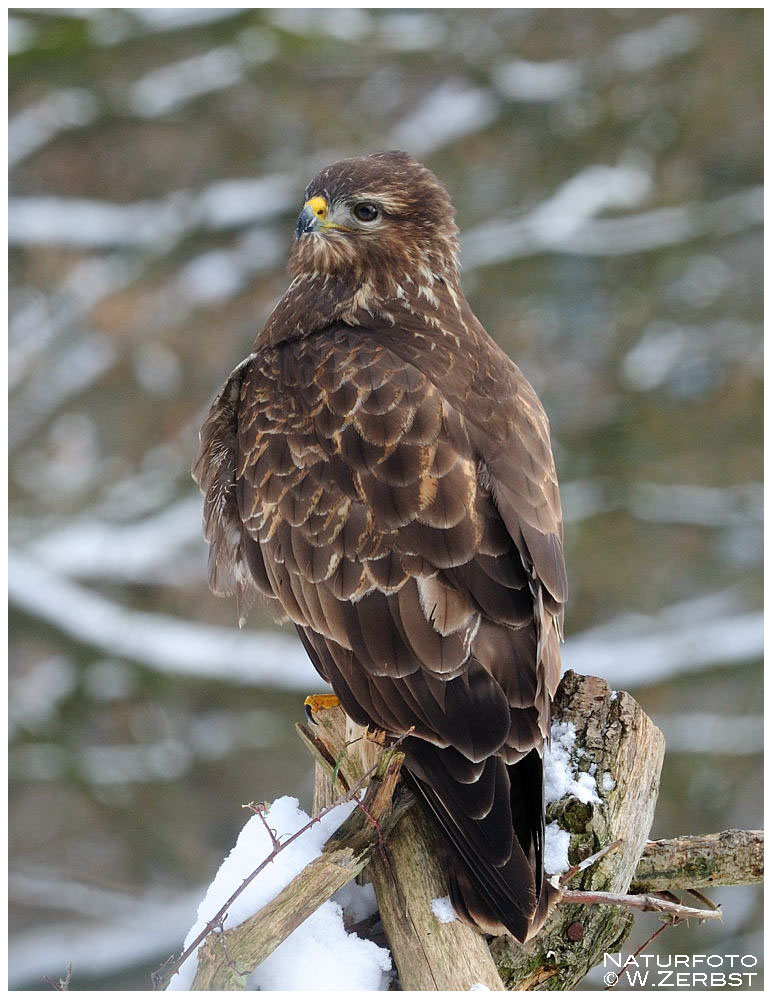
x,y
380,472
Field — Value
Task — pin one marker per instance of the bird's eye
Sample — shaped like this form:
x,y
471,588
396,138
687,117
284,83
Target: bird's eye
x,y
365,211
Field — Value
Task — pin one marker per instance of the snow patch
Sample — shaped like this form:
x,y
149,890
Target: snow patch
x,y
169,87
35,126
357,901
560,776
556,844
319,955
164,642
443,910
637,51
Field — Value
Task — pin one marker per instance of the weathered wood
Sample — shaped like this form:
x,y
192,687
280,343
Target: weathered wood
x,y
337,751
430,955
227,958
732,857
615,741
407,877
615,738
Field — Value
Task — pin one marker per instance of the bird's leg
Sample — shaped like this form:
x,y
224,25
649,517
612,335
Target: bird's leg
x,y
319,702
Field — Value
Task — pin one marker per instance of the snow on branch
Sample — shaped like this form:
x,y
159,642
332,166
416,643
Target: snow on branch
x,y
290,890
274,926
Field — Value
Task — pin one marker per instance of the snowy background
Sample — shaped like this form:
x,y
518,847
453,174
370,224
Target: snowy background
x,y
606,167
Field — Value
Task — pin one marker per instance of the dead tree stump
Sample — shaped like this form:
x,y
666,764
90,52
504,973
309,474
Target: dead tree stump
x,y
429,955
614,738
614,742
623,749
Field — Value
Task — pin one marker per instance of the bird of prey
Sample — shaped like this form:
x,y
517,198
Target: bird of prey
x,y
380,472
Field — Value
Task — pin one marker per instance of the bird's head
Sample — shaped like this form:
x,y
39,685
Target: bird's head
x,y
382,217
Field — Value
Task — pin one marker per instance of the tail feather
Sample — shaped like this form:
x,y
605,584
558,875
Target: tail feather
x,y
495,859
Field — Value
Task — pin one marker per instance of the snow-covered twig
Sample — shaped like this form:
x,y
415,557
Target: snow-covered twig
x,y
227,958
162,976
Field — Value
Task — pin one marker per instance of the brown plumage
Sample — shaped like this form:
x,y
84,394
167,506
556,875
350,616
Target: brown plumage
x,y
380,472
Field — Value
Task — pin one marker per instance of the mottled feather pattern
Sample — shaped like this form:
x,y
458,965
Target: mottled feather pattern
x,y
381,472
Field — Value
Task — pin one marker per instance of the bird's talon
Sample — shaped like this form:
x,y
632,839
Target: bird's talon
x,y
319,702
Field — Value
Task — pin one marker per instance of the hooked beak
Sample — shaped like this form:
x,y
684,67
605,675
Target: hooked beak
x,y
313,216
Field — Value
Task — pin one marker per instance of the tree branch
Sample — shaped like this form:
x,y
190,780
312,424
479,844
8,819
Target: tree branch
x,y
618,744
644,903
228,957
732,857
407,876
393,843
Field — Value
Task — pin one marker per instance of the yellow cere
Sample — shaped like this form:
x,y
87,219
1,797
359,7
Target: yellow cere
x,y
318,206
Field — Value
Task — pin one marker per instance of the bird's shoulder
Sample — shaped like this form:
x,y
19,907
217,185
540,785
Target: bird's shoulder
x,y
500,421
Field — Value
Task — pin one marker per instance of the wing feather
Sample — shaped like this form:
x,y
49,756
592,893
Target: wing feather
x,y
400,505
